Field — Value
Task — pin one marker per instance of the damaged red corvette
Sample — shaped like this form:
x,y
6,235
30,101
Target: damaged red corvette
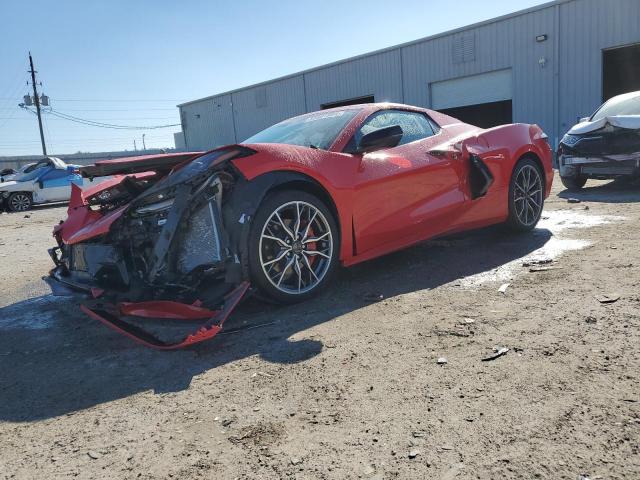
x,y
178,239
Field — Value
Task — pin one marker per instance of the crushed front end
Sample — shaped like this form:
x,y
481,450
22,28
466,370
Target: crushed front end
x,y
154,245
608,152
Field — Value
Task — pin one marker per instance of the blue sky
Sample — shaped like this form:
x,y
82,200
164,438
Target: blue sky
x,y
131,62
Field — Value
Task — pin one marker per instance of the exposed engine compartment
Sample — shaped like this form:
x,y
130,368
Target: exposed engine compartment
x,y
168,242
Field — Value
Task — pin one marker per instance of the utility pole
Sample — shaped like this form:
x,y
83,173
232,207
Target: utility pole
x,y
134,145
144,146
36,99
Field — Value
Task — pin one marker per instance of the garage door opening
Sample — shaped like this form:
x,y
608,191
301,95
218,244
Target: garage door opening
x,y
351,101
620,71
484,100
484,115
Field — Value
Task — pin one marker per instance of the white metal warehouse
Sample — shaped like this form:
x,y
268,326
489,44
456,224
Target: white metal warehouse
x,y
547,65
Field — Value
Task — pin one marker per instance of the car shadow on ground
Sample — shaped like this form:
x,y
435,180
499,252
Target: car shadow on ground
x,y
617,191
56,361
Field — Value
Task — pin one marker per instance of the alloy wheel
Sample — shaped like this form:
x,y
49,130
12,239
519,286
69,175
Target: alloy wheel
x,y
296,247
528,195
20,202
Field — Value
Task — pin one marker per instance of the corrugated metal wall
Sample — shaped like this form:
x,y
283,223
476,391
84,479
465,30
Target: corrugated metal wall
x,y
554,81
587,27
259,107
378,75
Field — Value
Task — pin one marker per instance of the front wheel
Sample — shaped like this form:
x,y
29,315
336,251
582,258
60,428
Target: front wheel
x,y
19,202
573,183
526,196
293,246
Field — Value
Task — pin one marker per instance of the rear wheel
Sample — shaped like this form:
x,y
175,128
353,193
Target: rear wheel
x,y
293,246
19,202
573,183
526,196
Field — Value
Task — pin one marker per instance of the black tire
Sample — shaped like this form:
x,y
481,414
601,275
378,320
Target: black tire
x,y
573,183
266,222
19,202
519,221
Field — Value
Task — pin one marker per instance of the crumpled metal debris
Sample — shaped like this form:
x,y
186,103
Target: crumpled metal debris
x,y
498,352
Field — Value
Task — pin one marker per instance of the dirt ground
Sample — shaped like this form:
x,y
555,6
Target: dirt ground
x,y
344,386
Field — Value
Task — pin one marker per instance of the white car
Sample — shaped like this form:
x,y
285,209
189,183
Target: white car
x,y
46,181
11,174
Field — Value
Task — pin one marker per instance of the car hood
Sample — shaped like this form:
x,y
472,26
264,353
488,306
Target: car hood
x,y
631,122
11,186
142,163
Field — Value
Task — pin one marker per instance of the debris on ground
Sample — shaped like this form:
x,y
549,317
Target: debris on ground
x,y
541,269
263,434
467,321
296,461
442,361
533,263
93,455
497,352
503,287
413,453
573,200
608,298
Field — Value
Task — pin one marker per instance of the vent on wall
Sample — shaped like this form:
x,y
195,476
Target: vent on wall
x,y
463,48
261,97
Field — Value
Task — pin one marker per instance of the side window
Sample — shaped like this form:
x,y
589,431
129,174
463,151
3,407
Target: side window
x,y
415,126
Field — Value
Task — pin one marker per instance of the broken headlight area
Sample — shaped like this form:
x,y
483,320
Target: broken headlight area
x,y
169,247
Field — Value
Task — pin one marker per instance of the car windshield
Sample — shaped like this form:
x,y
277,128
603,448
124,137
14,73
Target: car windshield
x,y
317,130
628,104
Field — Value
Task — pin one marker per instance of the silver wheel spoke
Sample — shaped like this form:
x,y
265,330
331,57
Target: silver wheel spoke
x,y
286,229
284,271
296,266
306,231
277,259
276,239
317,252
306,262
296,229
531,200
316,239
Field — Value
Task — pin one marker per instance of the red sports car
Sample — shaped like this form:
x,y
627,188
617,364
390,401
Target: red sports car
x,y
184,236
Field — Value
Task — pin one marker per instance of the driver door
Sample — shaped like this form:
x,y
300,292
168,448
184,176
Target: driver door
x,y
404,194
55,185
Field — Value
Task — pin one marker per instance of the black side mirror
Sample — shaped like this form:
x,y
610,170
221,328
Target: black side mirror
x,y
387,137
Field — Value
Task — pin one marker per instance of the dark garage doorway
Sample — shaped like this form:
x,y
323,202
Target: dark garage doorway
x,y
483,115
620,71
351,101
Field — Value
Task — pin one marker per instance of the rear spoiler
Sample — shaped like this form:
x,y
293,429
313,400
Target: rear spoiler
x,y
142,163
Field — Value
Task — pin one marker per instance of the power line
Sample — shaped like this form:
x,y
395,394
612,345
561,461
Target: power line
x,y
112,100
92,123
108,118
14,110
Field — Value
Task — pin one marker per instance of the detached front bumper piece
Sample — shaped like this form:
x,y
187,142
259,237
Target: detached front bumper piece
x,y
600,167
166,311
